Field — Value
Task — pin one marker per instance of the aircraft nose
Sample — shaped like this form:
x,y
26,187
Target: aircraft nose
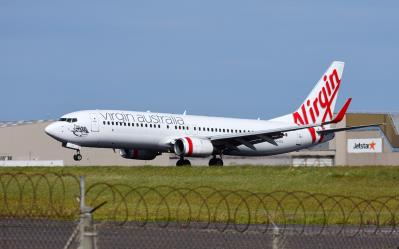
x,y
50,130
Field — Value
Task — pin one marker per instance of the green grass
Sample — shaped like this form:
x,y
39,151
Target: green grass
x,y
364,182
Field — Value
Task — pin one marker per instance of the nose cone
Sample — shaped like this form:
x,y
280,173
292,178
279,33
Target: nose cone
x,y
51,130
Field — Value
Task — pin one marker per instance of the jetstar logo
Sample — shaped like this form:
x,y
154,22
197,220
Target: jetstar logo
x,y
364,146
320,105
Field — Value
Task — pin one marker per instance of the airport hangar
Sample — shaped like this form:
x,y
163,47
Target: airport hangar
x,y
24,143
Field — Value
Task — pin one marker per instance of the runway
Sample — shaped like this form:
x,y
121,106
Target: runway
x,y
25,233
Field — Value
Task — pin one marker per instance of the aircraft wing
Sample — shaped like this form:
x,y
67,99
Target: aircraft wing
x,y
250,138
328,131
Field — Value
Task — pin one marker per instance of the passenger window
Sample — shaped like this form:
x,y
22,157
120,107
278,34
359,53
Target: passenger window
x,y
207,129
124,124
103,122
108,123
220,130
184,128
188,128
112,123
146,125
159,126
151,125
199,128
167,126
195,128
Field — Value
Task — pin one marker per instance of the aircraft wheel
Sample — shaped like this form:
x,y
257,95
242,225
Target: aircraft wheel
x,y
215,162
219,162
183,162
77,157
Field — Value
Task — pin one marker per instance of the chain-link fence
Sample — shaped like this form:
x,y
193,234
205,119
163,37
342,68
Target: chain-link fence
x,y
56,211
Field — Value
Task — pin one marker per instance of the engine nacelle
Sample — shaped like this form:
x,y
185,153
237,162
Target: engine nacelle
x,y
195,147
138,154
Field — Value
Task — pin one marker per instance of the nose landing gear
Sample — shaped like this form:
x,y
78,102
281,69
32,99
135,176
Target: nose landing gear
x,y
77,156
75,147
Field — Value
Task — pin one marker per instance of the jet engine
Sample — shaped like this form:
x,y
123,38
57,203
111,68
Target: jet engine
x,y
138,154
195,147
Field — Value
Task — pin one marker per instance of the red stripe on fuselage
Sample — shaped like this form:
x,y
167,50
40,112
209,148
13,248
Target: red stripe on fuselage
x,y
190,146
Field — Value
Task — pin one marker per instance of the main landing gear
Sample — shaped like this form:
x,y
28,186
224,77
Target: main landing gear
x,y
183,162
215,161
77,156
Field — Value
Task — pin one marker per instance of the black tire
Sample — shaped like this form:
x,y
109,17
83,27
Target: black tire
x,y
219,162
183,162
212,162
75,158
79,157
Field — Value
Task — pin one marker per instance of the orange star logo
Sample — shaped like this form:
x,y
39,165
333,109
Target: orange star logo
x,y
372,145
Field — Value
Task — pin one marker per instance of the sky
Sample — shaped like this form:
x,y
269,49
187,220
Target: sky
x,y
246,59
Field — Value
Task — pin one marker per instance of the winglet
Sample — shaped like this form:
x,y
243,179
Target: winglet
x,y
342,112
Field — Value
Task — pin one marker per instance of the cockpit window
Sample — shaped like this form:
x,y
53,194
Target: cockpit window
x,y
69,120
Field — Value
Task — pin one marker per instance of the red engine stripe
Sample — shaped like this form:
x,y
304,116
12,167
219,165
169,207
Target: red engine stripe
x,y
190,146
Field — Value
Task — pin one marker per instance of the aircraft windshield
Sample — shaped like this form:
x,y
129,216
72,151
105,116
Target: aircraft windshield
x,y
69,120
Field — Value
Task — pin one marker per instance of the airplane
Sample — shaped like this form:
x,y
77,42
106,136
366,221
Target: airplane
x,y
146,135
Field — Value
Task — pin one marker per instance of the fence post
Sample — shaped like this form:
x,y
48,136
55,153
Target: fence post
x,y
87,232
276,237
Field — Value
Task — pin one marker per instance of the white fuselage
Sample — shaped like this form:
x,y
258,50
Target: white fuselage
x,y
158,131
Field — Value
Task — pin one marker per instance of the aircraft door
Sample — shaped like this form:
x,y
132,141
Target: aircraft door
x,y
299,139
95,126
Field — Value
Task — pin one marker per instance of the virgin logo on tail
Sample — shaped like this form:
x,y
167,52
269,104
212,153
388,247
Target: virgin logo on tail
x,y
319,105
